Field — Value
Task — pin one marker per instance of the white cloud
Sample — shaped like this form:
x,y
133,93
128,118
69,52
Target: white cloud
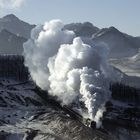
x,y
11,4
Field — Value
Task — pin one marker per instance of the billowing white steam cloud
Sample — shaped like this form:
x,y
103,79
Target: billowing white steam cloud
x,y
69,68
44,44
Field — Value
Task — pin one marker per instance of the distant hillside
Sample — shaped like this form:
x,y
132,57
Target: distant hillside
x,y
15,26
10,43
120,44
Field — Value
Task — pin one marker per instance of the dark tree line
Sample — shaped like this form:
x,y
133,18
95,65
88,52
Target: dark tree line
x,y
12,66
125,93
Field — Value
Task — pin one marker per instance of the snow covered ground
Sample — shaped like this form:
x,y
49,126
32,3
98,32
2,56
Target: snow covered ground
x,y
130,66
25,116
127,65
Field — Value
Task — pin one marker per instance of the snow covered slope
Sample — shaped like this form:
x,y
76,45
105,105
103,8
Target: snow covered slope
x,y
128,65
120,44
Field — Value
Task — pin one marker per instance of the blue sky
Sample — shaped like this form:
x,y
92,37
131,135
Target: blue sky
x,y
123,14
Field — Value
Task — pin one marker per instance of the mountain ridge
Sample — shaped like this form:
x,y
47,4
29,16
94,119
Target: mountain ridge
x,y
16,26
120,44
82,29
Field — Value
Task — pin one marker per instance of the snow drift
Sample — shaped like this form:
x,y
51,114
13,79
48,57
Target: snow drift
x,y
68,68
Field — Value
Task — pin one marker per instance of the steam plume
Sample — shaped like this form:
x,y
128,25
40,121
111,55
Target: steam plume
x,y
68,68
